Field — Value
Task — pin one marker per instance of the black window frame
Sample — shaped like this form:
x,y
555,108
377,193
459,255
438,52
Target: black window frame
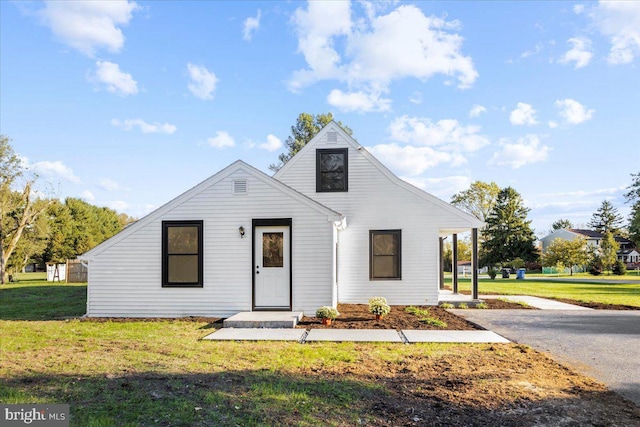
x,y
319,153
165,255
397,233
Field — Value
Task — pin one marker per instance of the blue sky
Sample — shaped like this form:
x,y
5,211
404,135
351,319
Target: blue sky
x,y
129,104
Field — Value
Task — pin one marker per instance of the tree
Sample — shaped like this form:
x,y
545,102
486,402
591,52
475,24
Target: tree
x,y
306,127
508,234
561,224
608,250
464,253
606,218
478,200
77,226
566,253
633,196
18,209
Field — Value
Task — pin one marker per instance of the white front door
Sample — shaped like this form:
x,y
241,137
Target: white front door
x,y
272,273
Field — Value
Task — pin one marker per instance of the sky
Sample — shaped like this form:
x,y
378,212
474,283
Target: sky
x,y
129,104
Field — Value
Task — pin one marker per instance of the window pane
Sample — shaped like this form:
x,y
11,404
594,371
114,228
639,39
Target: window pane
x,y
272,250
182,240
385,266
183,268
332,162
385,244
332,181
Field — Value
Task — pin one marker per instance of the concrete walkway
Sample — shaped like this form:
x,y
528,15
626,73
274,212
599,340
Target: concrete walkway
x,y
537,302
354,335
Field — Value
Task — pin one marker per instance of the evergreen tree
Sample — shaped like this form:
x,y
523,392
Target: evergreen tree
x,y
561,224
633,196
306,127
606,218
508,234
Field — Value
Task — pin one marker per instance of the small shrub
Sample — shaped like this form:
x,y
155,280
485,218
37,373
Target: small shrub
x,y
434,322
417,311
379,306
595,266
492,272
327,312
619,268
463,305
447,305
482,305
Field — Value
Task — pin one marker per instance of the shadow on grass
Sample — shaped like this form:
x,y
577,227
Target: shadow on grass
x,y
264,397
42,301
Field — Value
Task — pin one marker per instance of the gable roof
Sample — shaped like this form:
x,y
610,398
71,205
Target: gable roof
x,y
204,185
335,127
588,233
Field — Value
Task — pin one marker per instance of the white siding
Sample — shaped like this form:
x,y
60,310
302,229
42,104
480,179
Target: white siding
x,y
376,202
125,278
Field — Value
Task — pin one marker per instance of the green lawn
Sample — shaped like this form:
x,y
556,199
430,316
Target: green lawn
x,y
606,293
160,373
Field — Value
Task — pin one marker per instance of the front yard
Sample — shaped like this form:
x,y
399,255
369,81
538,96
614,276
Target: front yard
x,y
159,373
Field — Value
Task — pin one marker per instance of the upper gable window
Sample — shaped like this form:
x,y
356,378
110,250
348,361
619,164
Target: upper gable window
x,y
332,170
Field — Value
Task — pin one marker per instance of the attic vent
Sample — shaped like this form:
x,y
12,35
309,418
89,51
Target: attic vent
x,y
332,136
239,186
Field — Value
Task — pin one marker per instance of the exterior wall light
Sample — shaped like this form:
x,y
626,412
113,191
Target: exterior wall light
x,y
241,230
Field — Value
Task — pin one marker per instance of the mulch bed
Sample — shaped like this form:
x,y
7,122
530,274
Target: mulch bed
x,y
357,316
598,305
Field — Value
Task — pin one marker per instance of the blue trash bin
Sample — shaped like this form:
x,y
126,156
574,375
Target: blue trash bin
x,y
520,273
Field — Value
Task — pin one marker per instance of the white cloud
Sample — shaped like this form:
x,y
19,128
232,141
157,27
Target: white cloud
x,y
273,143
476,110
580,52
573,112
536,50
118,205
448,133
412,161
111,185
620,22
368,53
578,9
144,127
89,25
524,114
553,124
525,151
251,25
358,101
203,82
54,169
87,195
221,140
116,81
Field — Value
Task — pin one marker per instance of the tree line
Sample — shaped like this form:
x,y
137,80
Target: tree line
x,y
39,229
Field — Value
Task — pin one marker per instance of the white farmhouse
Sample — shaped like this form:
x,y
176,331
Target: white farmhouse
x,y
333,225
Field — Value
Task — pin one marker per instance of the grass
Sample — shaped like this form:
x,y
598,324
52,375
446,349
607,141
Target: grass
x,y
160,373
425,316
586,291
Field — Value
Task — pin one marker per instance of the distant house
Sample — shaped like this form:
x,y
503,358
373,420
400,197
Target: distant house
x,y
332,225
627,252
465,267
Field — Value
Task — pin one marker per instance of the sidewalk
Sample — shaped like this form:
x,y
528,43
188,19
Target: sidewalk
x,y
354,335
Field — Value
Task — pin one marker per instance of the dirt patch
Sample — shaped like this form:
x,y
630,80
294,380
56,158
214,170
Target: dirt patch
x,y
357,316
498,304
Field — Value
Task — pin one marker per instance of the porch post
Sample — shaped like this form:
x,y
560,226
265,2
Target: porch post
x,y
454,263
441,257
474,263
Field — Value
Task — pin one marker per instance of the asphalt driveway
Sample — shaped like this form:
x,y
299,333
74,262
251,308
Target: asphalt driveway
x,y
602,344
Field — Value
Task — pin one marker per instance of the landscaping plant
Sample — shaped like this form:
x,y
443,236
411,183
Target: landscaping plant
x,y
379,307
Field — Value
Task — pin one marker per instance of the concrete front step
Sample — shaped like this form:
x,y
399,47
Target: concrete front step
x,y
263,319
